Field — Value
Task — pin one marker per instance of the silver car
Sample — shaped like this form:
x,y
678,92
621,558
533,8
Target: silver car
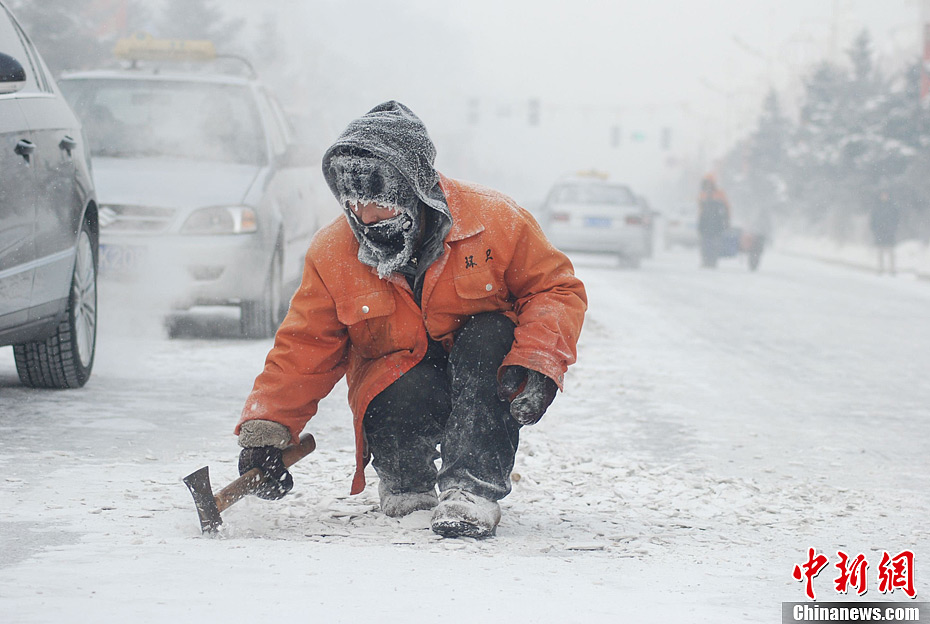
x,y
681,227
205,196
48,223
597,215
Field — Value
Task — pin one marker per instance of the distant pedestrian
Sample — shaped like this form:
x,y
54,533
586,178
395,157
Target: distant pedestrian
x,y
884,223
713,219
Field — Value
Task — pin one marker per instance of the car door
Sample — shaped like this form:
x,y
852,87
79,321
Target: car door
x,y
289,188
56,134
17,190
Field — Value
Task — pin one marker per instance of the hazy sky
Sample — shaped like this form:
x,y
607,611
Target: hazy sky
x,y
699,68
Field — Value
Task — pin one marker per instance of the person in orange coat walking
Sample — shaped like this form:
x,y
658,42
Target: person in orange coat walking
x,y
713,219
451,315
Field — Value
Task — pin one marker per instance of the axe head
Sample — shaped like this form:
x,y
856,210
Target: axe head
x,y
198,483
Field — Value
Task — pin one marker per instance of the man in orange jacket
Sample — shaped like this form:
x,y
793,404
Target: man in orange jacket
x,y
451,315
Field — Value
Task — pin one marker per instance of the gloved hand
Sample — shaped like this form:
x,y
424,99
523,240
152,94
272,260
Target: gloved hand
x,y
530,393
278,481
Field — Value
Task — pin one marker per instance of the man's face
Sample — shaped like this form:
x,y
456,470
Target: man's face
x,y
371,212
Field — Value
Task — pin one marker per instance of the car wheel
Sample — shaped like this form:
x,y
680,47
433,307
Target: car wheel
x,y
260,319
65,359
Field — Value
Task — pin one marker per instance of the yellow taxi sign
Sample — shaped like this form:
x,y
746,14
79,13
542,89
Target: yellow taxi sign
x,y
592,173
148,48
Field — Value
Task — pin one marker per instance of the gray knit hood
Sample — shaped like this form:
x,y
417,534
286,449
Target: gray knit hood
x,y
390,134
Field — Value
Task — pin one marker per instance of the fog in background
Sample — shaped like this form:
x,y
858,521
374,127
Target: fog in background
x,y
608,76
806,111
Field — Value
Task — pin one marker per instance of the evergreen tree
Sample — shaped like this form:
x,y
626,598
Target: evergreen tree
x,y
907,129
768,149
860,54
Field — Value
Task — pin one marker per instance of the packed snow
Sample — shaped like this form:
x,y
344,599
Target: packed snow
x,y
716,426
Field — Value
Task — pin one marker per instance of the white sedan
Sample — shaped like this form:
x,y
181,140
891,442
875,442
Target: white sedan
x,y
599,216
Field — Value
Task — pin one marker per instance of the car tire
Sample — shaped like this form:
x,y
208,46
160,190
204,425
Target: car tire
x,y
260,319
65,359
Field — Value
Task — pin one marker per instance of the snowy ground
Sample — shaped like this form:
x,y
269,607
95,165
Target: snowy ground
x,y
718,424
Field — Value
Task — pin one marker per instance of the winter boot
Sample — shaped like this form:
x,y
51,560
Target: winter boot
x,y
403,503
463,514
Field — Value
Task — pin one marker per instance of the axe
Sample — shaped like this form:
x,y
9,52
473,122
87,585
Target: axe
x,y
209,506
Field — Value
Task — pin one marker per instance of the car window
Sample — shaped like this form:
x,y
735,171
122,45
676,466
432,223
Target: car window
x,y
592,194
278,140
282,118
174,119
43,77
12,43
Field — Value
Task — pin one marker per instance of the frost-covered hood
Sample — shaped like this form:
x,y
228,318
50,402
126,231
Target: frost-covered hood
x,y
171,183
392,132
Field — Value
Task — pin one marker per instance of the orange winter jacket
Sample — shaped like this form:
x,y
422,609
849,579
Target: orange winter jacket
x,y
345,320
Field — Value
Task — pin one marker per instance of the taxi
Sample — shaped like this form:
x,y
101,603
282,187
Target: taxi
x,y
589,212
205,195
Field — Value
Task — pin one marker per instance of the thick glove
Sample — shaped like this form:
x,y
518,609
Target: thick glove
x,y
530,393
278,481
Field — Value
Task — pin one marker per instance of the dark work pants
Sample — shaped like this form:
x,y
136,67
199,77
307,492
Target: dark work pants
x,y
451,401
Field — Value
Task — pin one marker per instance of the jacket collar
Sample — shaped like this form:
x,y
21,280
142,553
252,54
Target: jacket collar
x,y
464,222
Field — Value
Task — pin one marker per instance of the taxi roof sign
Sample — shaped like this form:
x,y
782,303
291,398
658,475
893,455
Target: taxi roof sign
x,y
592,173
148,48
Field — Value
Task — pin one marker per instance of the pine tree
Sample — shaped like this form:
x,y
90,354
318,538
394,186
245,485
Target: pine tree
x,y
768,150
907,128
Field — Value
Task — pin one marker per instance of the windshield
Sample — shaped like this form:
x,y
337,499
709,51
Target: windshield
x,y
146,118
592,194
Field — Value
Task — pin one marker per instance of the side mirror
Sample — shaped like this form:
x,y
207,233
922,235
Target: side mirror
x,y
12,74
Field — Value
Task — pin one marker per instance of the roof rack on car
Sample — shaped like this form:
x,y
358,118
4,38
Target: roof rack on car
x,y
145,47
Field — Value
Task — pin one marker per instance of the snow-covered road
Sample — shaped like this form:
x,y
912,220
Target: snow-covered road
x,y
717,425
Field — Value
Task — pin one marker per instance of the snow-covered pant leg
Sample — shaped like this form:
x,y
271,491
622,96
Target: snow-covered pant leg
x,y
403,425
480,439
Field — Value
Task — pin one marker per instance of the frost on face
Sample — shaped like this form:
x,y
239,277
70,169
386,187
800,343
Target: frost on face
x,y
389,244
360,179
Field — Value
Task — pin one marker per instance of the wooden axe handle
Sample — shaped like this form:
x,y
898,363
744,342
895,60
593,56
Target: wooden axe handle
x,y
249,482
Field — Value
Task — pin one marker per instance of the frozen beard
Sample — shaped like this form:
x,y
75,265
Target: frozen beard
x,y
389,244
360,179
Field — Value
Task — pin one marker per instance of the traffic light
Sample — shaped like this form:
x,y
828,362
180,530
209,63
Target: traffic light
x,y
532,111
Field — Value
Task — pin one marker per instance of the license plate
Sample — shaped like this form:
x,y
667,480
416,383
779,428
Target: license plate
x,y
598,222
120,259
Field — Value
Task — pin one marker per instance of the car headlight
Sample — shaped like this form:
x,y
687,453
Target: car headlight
x,y
221,220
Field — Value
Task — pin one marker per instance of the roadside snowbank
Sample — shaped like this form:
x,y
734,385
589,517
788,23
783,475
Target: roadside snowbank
x,y
911,257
